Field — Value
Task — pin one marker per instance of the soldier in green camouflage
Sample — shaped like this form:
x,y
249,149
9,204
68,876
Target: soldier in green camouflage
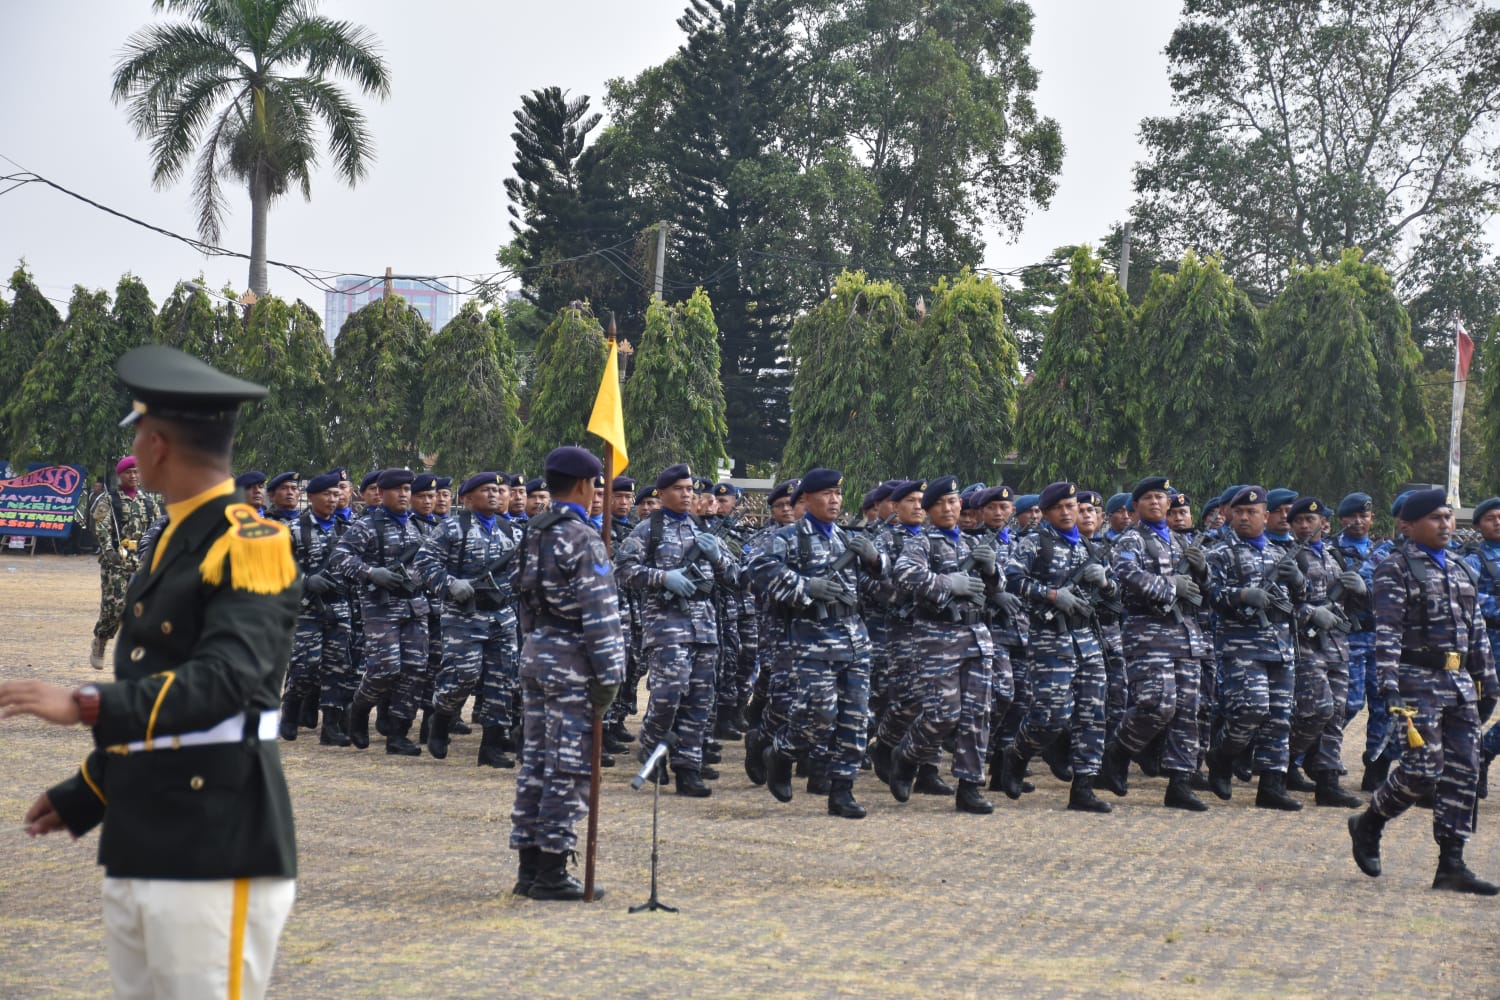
x,y
120,517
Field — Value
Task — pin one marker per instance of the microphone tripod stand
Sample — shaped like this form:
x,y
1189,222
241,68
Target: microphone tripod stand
x,y
656,782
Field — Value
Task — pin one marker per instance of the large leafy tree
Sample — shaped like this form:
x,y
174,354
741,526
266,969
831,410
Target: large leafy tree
x,y
470,419
1484,390
375,389
569,365
1191,360
31,322
1304,129
674,401
196,324
249,84
282,348
1078,419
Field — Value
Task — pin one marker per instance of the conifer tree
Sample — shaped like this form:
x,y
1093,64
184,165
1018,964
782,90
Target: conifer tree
x,y
470,417
674,401
376,385
31,323
282,348
569,364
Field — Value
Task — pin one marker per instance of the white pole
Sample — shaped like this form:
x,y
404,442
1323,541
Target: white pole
x,y
1455,423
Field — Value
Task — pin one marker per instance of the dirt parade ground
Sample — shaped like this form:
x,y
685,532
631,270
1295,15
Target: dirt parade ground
x,y
405,879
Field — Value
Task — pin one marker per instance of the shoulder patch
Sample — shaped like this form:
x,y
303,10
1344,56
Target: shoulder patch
x,y
259,553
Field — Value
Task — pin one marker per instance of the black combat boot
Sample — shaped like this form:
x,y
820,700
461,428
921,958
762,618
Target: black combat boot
x,y
1455,876
552,880
1244,765
492,748
1271,793
1364,832
713,751
308,718
754,711
755,756
903,773
438,734
968,799
725,729
1114,769
1330,793
1180,793
1012,767
398,743
1081,797
458,727
621,732
359,721
1057,755
1220,774
690,783
291,707
1375,773
778,774
424,729
383,716
818,782
1149,759
334,734
841,799
930,782
525,870
1295,782
880,760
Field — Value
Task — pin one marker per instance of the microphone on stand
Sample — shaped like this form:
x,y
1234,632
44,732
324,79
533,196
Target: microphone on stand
x,y
662,749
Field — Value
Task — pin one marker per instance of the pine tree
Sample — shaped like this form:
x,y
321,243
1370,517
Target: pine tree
x,y
282,348
674,401
569,364
31,323
470,417
1075,421
1191,359
135,314
376,386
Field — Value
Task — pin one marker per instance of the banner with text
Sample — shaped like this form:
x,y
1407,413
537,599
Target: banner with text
x,y
40,502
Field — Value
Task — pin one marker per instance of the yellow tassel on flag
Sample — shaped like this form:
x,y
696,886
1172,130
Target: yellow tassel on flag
x,y
608,418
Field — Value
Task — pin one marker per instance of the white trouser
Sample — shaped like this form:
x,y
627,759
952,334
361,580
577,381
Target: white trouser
x,y
195,940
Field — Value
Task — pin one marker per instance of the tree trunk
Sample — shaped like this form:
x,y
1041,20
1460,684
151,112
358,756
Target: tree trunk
x,y
259,206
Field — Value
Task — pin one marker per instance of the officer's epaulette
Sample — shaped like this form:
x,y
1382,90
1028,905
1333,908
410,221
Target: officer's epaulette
x,y
259,553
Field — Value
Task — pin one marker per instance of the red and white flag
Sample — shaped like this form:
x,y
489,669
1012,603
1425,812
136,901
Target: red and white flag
x,y
1463,354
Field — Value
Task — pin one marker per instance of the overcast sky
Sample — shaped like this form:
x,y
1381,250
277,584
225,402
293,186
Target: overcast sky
x,y
433,202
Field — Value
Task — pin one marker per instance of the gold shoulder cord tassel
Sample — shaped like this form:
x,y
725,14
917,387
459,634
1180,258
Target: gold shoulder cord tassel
x,y
259,553
1413,736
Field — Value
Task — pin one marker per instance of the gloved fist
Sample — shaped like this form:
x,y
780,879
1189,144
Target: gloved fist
x,y
678,583
1008,603
386,579
823,588
1254,597
318,584
1353,582
601,696
1195,558
1093,574
1323,619
1067,601
861,546
461,591
1393,701
1187,589
984,558
1289,574
708,545
963,585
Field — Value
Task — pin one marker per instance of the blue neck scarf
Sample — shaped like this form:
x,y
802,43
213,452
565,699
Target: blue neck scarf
x,y
1316,546
583,515
344,514
428,518
951,534
325,525
1439,556
1161,529
674,515
486,521
1279,538
400,518
597,520
826,527
912,529
1071,536
1362,546
1258,543
1004,535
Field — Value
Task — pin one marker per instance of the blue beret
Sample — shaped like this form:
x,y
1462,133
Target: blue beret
x,y
818,479
972,489
974,499
322,484
1485,506
536,485
1116,503
1280,495
247,479
623,484
904,488
1248,495
1424,502
598,481
883,491
341,472
1092,497
872,498
649,493
445,482
1309,505
1056,493
1399,501
426,482
782,491
937,489
1148,484
702,485
1213,504
1026,501
285,477
1179,500
481,479
673,474
573,462
1230,493
512,479
726,490
392,479
371,478
1001,492
1355,503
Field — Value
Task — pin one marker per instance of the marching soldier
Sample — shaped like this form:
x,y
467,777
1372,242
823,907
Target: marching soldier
x,y
285,494
1485,561
253,485
120,518
321,664
769,702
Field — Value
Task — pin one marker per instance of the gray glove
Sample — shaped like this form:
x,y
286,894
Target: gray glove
x,y
1069,603
984,559
678,583
1195,558
387,579
1353,582
317,584
1254,597
1093,574
1323,619
708,545
861,546
1393,700
1290,575
824,588
1187,589
461,591
1009,603
963,585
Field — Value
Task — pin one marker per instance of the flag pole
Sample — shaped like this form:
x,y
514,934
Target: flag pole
x,y
1455,423
591,852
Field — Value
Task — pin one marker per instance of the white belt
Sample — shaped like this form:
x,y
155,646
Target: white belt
x,y
231,730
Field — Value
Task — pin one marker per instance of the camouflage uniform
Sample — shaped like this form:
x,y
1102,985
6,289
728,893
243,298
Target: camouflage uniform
x,y
119,535
571,617
625,705
1486,563
478,638
895,696
1011,634
1322,672
320,645
681,645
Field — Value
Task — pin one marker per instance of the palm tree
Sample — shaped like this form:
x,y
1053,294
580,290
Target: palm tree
x,y
248,80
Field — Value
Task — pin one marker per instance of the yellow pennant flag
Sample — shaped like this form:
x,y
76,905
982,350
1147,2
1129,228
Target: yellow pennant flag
x,y
608,419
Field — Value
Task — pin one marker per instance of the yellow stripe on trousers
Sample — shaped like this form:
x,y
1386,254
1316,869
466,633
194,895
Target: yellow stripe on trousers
x,y
237,936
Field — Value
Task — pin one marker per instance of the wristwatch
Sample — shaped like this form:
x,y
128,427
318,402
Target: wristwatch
x,y
86,698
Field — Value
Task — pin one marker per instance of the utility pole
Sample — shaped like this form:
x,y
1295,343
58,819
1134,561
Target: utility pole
x,y
661,255
1125,260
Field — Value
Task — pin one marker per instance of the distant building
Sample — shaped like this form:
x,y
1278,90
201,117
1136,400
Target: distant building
x,y
353,294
